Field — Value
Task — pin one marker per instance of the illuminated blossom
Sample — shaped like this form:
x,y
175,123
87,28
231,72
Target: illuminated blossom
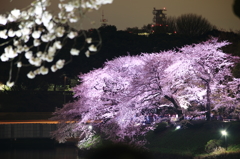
x,y
19,64
43,70
11,33
122,93
19,49
92,48
28,54
25,31
72,34
49,32
16,13
4,57
36,42
46,17
54,68
69,7
37,71
38,9
60,64
74,52
31,75
87,53
51,50
57,44
26,38
95,4
39,53
38,21
49,58
3,20
3,34
60,31
50,27
89,40
10,52
35,61
11,18
18,33
73,19
36,34
10,84
24,15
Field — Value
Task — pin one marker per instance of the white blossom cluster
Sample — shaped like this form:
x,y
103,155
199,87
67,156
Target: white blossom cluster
x,y
47,29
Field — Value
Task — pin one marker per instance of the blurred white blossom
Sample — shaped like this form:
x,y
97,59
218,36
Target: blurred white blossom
x,y
10,84
54,68
60,64
87,53
3,34
72,34
43,70
3,20
49,58
36,42
92,48
11,33
49,32
60,31
89,40
31,75
51,50
36,34
18,33
58,44
16,13
35,61
74,52
19,64
28,54
4,57
10,52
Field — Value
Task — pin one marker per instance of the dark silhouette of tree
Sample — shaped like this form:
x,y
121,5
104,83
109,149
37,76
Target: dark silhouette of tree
x,y
171,24
147,28
107,29
236,8
192,25
134,30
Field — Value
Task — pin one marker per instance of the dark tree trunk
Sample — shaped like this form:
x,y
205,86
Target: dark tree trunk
x,y
208,105
175,104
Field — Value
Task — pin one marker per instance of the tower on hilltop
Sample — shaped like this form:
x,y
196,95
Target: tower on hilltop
x,y
103,20
159,16
159,21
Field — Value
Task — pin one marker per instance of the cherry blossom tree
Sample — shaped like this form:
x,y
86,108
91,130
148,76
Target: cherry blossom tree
x,y
112,102
204,67
39,35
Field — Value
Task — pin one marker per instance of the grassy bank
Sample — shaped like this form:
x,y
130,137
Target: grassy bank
x,y
190,142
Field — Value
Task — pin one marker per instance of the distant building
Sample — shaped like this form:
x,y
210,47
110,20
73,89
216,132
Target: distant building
x,y
159,21
159,16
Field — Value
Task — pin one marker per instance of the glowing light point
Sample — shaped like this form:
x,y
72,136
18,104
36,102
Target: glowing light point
x,y
224,132
90,127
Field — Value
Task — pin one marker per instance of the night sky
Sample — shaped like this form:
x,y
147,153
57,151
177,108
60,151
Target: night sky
x,y
136,13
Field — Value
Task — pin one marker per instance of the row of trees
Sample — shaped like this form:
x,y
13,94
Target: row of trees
x,y
186,24
112,101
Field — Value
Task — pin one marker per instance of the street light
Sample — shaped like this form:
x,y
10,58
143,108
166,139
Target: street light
x,y
178,127
224,133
